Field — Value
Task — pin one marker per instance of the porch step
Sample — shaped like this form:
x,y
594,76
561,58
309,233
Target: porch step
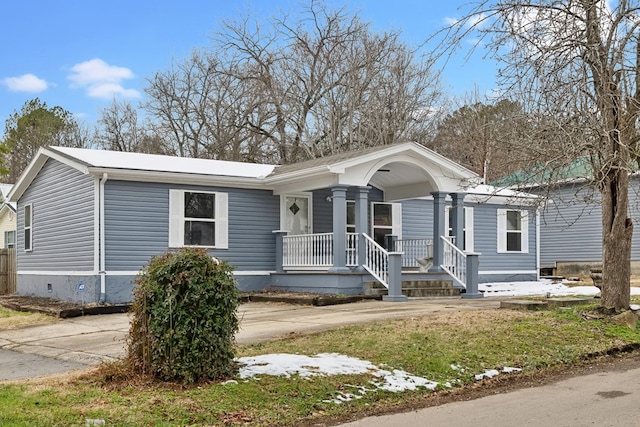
x,y
417,288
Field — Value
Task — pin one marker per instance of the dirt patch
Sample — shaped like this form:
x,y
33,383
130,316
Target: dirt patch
x,y
57,308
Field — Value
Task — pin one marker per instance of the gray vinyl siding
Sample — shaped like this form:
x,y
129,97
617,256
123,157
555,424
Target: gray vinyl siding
x,y
323,210
417,222
485,226
417,219
137,225
62,200
571,225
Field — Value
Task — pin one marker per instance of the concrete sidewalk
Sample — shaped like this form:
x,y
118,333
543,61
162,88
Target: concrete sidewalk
x,y
85,341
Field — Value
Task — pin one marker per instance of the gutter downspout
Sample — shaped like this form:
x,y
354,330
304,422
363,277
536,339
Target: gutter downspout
x,y
102,267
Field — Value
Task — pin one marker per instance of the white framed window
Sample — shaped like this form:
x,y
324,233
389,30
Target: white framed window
x,y
513,231
28,227
467,230
198,218
10,239
386,219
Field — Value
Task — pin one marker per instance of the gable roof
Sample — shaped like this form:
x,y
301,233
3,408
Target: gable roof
x,y
409,164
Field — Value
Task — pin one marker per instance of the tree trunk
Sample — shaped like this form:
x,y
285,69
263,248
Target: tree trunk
x,y
617,230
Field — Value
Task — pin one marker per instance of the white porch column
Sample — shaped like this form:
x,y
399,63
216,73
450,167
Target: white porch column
x,y
438,229
457,207
339,197
362,209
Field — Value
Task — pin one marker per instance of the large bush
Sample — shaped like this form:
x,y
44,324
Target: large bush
x,y
184,318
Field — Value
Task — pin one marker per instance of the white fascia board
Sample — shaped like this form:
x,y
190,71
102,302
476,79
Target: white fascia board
x,y
302,173
408,148
180,178
34,168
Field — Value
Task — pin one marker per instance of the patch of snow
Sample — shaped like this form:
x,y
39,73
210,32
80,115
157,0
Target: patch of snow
x,y
489,373
324,364
634,307
541,287
508,370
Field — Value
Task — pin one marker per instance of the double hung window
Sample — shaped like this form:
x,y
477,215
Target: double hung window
x,y
198,218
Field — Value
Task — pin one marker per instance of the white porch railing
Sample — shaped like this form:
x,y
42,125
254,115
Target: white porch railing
x,y
376,261
415,252
352,249
454,261
307,250
315,251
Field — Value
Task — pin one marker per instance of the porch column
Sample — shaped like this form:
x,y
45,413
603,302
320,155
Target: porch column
x,y
457,207
339,197
472,277
362,209
280,234
438,230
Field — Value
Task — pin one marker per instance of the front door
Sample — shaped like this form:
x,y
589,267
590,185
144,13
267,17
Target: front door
x,y
297,218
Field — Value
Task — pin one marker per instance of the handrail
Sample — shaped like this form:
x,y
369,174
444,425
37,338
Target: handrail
x,y
376,261
454,262
415,251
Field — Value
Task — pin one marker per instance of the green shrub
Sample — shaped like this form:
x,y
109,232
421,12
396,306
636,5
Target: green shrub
x,y
184,318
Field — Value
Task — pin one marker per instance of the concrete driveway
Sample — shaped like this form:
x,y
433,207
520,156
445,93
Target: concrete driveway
x,y
85,341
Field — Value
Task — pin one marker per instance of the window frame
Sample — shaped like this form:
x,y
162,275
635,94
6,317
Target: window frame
x,y
177,219
11,245
396,220
504,231
467,228
29,228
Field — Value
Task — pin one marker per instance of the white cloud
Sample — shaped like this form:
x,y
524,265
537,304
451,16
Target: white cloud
x,y
25,83
449,21
101,80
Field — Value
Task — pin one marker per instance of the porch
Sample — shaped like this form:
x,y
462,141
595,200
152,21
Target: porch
x,y
308,261
341,222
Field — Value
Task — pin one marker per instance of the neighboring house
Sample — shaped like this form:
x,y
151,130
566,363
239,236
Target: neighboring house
x,y
571,228
89,220
8,222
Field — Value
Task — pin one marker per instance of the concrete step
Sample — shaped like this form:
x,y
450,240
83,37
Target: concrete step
x,y
417,288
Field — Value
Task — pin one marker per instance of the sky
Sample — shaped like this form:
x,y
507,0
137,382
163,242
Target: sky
x,y
82,54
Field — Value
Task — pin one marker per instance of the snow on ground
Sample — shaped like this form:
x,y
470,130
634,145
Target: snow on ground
x,y
325,364
543,287
393,379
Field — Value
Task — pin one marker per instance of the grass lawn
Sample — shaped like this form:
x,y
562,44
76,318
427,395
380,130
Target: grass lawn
x,y
10,319
448,348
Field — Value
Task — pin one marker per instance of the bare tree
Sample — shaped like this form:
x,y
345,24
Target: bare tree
x,y
480,136
575,66
119,129
297,88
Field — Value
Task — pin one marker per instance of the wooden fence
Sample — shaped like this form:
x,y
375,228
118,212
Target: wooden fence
x,y
8,276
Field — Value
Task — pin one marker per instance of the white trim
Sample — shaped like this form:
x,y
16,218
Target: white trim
x,y
501,231
177,219
58,273
492,272
96,223
24,227
127,273
283,210
538,242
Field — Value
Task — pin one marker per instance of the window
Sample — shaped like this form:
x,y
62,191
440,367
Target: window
x,y
467,230
198,219
387,219
28,227
513,231
351,216
10,239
